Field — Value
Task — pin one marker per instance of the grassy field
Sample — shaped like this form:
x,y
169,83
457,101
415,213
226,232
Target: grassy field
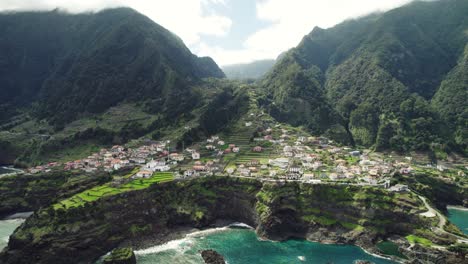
x,y
419,240
108,189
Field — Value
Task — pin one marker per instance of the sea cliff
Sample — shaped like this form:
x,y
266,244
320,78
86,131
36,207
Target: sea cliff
x,y
278,211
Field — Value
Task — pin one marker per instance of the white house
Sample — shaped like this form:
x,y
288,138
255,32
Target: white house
x,y
399,188
189,173
162,168
279,162
195,155
144,174
176,157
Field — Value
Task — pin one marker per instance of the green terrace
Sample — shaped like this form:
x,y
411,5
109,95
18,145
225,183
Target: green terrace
x,y
110,189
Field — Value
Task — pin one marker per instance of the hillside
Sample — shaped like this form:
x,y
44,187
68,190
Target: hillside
x,y
376,76
70,64
253,70
70,84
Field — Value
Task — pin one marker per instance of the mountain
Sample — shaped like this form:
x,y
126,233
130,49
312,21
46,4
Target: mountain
x,y
71,64
389,79
70,83
253,70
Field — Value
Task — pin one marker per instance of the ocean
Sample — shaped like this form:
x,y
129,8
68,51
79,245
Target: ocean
x,y
6,229
459,217
242,246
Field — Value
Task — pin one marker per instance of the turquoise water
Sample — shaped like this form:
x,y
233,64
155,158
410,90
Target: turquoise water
x,y
241,246
459,218
6,229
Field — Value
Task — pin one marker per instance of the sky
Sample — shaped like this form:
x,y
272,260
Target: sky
x,y
230,31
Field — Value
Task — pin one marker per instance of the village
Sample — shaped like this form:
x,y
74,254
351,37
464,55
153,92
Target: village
x,y
262,150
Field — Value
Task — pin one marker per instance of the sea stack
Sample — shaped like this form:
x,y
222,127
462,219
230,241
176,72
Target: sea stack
x,y
212,257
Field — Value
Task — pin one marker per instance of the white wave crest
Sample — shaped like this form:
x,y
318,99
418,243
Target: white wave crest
x,y
179,245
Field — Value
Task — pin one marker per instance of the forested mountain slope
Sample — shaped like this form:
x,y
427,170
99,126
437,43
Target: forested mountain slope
x,y
72,64
376,77
71,83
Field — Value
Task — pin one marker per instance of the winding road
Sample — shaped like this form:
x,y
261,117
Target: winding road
x,y
442,221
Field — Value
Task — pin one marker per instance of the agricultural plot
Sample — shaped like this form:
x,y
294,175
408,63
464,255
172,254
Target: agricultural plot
x,y
107,189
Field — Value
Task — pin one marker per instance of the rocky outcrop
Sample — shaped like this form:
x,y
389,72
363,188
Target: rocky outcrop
x,y
421,255
212,257
121,256
340,214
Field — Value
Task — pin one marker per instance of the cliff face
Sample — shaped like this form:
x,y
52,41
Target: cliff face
x,y
22,193
279,211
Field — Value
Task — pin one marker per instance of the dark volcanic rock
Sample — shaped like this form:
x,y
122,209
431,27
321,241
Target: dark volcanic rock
x,y
212,257
121,256
278,211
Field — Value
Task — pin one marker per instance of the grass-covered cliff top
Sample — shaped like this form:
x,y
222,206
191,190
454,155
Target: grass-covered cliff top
x,y
278,211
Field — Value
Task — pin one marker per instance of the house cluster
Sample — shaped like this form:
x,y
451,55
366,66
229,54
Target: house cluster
x,y
299,157
44,168
112,159
147,170
200,168
220,147
272,153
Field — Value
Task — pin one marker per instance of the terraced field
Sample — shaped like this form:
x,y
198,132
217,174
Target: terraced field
x,y
108,189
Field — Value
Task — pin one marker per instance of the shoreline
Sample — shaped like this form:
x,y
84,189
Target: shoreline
x,y
20,215
174,237
457,207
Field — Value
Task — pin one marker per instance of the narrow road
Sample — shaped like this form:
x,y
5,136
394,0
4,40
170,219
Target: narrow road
x,y
442,221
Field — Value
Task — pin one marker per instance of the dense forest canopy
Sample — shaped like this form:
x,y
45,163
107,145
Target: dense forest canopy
x,y
71,64
396,80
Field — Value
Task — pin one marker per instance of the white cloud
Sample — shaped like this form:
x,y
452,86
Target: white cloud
x,y
185,18
224,56
193,19
290,21
293,19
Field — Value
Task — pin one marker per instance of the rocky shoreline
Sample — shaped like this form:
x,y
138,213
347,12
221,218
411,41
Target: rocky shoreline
x,y
162,238
325,214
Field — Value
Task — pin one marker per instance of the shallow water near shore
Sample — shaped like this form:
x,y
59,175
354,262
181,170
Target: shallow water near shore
x,y
242,246
459,217
6,229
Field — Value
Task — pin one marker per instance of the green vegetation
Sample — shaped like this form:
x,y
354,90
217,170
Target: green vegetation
x,y
460,248
413,239
439,191
390,248
120,255
352,226
142,79
375,80
110,189
30,192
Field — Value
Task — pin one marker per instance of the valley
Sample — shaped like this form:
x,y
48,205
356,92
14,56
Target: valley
x,y
351,146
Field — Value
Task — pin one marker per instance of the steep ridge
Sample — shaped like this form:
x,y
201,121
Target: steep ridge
x,y
73,64
376,76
